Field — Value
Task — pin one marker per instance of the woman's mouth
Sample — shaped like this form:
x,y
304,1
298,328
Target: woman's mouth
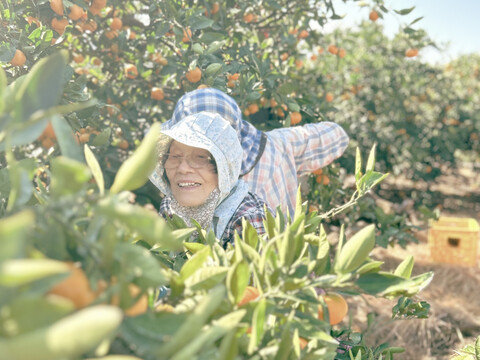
x,y
188,185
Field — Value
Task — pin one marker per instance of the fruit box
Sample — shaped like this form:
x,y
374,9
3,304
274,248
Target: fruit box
x,y
454,240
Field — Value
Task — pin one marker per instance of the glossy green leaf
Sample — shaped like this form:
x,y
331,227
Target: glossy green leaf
x,y
42,87
192,326
404,269
31,313
135,171
206,278
355,251
3,87
195,262
258,325
16,272
95,169
14,233
66,141
68,176
237,281
60,340
147,270
371,160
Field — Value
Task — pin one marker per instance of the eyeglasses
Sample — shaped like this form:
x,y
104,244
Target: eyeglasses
x,y
171,161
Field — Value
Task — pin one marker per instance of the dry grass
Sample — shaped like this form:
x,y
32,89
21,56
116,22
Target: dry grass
x,y
454,297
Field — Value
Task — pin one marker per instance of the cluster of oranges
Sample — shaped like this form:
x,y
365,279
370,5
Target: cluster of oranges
x,y
82,136
76,287
321,178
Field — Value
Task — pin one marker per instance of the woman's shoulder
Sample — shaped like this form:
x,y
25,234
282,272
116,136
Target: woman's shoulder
x,y
252,204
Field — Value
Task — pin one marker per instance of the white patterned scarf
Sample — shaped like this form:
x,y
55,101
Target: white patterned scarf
x,y
203,214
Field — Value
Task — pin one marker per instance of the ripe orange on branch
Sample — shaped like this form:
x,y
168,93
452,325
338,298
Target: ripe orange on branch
x,y
412,52
332,49
295,117
373,15
336,305
157,93
322,179
131,71
194,75
75,287
57,6
59,25
18,59
116,23
248,18
76,12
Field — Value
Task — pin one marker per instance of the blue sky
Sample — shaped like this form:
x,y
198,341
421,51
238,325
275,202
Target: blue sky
x,y
454,24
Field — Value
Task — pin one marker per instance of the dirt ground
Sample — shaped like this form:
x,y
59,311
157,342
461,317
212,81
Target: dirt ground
x,y
454,293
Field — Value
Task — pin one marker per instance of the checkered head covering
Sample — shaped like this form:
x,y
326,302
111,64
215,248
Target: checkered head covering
x,y
215,101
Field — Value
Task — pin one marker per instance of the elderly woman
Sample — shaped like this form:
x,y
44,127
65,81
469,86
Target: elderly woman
x,y
273,160
198,172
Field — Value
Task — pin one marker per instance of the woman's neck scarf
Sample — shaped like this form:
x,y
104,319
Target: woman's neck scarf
x,y
203,214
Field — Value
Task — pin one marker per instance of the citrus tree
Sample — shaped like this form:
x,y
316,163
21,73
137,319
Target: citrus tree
x,y
79,245
98,264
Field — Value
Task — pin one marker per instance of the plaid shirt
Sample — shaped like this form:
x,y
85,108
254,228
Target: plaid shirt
x,y
290,152
251,209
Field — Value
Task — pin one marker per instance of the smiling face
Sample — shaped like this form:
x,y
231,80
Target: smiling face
x,y
190,186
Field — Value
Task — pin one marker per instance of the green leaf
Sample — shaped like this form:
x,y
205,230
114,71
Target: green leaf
x,y
214,46
30,313
42,87
477,348
95,169
206,278
68,176
195,262
135,171
146,269
193,247
3,88
404,269
192,326
66,141
355,251
373,266
147,224
60,340
213,69
287,88
200,22
14,232
358,165
258,325
237,281
102,139
371,160
16,272
390,285
21,175
405,11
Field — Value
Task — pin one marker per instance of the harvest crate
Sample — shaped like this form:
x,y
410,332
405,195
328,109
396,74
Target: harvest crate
x,y
454,240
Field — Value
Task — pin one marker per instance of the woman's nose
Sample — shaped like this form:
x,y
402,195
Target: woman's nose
x,y
183,166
